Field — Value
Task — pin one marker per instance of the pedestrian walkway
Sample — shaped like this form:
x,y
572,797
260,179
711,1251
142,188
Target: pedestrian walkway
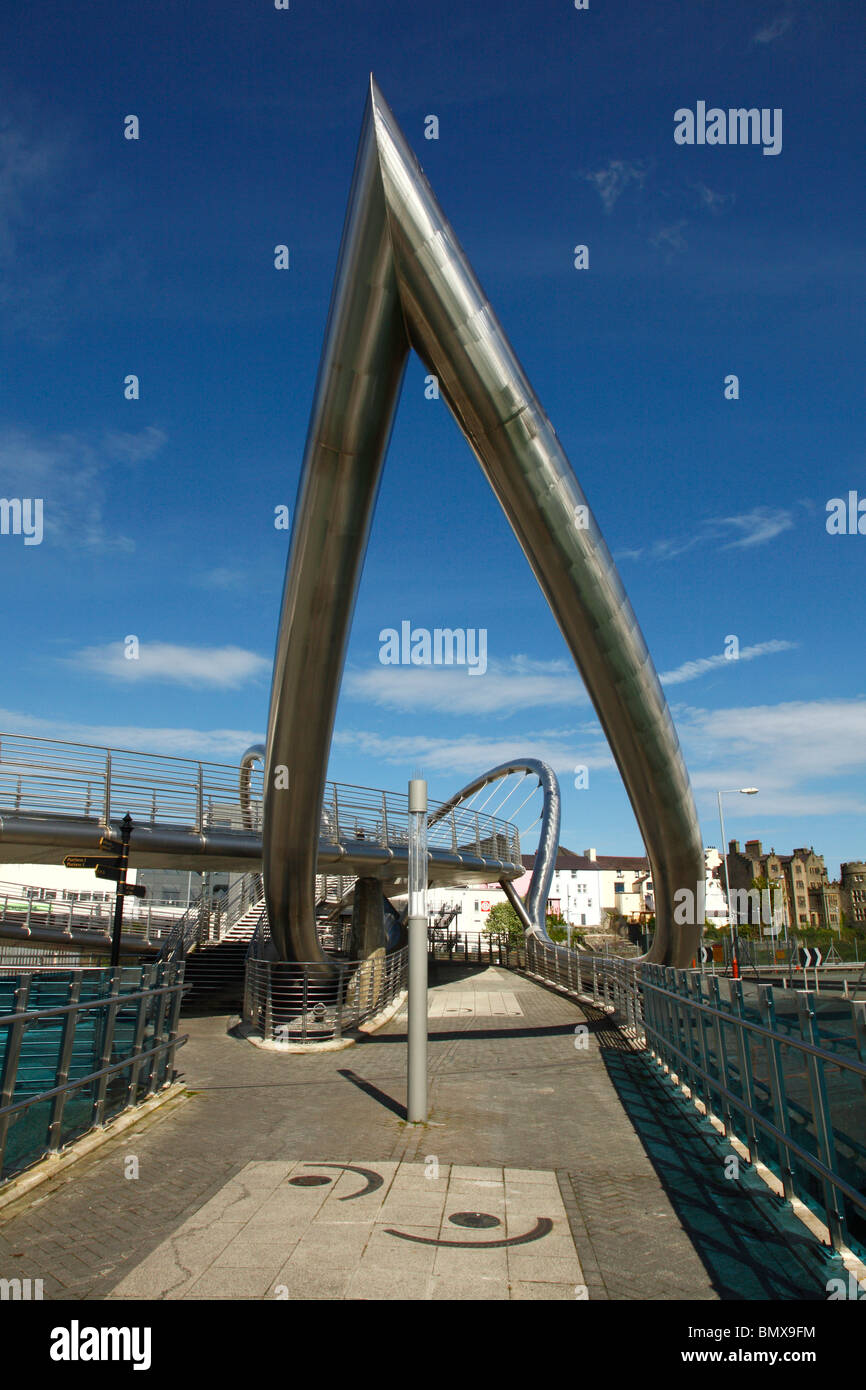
x,y
556,1164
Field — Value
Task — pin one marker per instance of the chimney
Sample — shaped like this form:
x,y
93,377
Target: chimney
x,y
733,847
589,854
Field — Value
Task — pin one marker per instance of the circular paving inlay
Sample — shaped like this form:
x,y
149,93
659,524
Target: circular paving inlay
x,y
309,1180
480,1220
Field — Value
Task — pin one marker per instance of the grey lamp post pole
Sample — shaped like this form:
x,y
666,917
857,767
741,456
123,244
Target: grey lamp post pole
x,y
735,940
416,1097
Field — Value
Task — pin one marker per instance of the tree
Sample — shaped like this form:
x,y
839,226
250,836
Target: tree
x,y
502,920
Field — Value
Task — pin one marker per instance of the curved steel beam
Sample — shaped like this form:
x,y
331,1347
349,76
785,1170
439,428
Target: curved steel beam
x,y
402,280
548,838
254,754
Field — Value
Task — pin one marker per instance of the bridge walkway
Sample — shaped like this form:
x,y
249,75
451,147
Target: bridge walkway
x,y
524,1126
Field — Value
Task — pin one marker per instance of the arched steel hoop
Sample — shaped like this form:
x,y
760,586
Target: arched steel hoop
x,y
532,911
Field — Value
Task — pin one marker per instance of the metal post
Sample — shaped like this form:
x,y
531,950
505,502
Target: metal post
x,y
125,828
416,1107
61,1076
735,945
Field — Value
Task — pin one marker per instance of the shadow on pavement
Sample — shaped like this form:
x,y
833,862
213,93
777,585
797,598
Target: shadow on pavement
x,y
751,1244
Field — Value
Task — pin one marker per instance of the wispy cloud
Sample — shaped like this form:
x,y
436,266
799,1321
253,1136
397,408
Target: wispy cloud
x,y
470,754
756,527
223,578
28,162
224,668
670,238
611,183
711,200
217,745
774,29
518,683
70,473
691,670
793,752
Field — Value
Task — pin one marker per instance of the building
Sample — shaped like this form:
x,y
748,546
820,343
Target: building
x,y
852,891
803,896
575,889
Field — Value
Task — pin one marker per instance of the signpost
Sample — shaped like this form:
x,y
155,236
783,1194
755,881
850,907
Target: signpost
x,y
810,958
115,871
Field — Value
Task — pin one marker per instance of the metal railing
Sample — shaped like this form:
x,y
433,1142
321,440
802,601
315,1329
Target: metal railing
x,y
48,778
24,905
474,948
783,1070
78,1046
310,1003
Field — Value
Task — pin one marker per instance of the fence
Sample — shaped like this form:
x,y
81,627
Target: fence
x,y
782,1069
316,1002
474,949
30,907
78,1046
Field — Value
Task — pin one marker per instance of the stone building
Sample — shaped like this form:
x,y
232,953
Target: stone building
x,y
852,891
799,883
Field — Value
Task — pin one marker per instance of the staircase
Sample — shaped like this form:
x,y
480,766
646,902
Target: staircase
x,y
216,974
245,926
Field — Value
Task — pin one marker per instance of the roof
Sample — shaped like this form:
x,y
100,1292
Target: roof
x,y
567,859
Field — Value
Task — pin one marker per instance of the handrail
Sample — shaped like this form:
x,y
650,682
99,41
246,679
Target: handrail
x,y
666,1012
39,1047
76,781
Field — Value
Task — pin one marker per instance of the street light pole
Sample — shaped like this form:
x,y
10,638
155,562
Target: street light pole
x,y
416,1090
735,937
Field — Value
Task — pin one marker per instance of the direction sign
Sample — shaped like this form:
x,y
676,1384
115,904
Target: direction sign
x,y
706,956
132,890
107,843
810,957
88,861
107,870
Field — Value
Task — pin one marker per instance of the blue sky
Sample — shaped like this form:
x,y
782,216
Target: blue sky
x,y
155,257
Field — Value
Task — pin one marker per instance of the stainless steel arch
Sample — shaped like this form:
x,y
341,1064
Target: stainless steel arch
x,y
254,754
402,280
548,838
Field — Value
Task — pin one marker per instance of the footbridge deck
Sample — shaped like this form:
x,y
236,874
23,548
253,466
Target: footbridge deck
x,y
60,798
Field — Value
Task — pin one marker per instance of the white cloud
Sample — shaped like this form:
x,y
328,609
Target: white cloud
x,y
711,200
471,754
799,754
690,670
70,472
218,745
757,526
220,667
774,29
671,238
519,683
612,182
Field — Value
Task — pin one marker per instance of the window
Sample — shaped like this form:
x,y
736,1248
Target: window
x,y
619,887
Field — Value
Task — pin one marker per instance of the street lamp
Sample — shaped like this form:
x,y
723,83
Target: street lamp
x,y
735,940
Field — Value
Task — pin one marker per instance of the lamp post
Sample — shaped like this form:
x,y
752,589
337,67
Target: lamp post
x,y
735,940
416,1089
